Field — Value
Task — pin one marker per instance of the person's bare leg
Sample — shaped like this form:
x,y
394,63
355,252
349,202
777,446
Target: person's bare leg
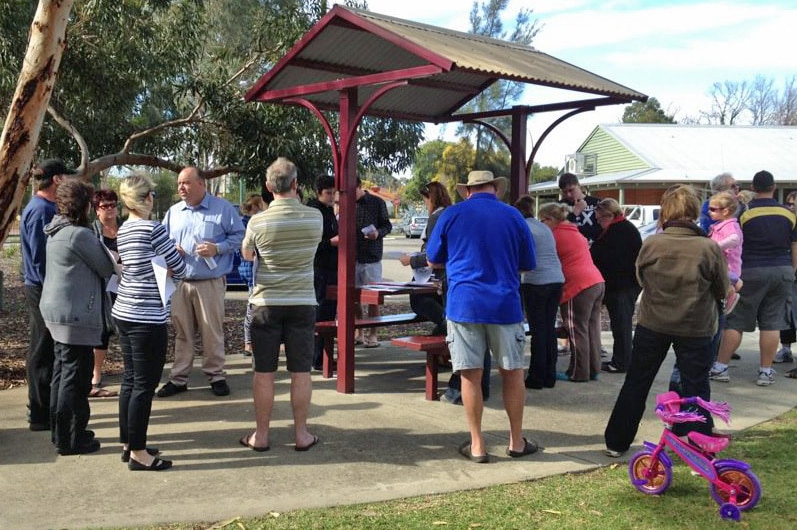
x,y
99,359
301,392
473,402
768,345
263,394
731,339
514,394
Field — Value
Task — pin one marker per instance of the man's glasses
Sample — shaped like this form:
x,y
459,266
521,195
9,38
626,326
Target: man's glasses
x,y
107,206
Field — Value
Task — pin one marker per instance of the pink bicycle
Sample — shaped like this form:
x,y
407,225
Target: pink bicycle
x,y
733,485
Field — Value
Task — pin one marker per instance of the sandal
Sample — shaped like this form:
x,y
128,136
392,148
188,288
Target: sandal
x,y
97,392
792,374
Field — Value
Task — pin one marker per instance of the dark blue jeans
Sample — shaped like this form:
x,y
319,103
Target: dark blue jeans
x,y
620,304
694,357
144,351
69,395
430,307
39,359
541,303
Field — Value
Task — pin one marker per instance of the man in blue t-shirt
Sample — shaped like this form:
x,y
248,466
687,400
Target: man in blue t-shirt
x,y
39,211
484,245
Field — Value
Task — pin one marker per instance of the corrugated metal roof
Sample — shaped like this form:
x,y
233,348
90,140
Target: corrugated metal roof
x,y
347,43
697,153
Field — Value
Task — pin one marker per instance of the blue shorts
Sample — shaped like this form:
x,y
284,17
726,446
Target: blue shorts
x,y
468,343
365,273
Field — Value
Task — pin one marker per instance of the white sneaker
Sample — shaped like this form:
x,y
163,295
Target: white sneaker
x,y
783,356
721,376
765,379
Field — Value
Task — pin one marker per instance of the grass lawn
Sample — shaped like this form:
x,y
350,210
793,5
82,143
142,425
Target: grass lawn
x,y
598,500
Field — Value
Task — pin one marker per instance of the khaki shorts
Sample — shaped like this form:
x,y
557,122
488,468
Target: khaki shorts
x,y
469,343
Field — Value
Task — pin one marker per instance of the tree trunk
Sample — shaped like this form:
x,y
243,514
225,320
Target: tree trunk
x,y
29,105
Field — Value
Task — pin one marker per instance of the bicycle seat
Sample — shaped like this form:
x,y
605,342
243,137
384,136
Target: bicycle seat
x,y
707,443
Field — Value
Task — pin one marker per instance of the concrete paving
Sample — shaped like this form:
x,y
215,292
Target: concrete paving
x,y
383,442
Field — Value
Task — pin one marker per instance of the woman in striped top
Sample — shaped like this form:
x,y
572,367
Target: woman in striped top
x,y
141,319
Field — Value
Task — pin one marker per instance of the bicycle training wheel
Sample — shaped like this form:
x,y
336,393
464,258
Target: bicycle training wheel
x,y
748,488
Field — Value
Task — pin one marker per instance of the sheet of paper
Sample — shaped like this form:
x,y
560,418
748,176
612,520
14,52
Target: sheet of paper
x,y
165,284
112,285
211,263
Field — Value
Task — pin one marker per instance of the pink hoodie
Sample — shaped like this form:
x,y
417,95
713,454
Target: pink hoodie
x,y
728,235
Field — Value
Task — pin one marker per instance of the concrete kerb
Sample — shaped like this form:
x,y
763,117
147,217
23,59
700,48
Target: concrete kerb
x,y
383,442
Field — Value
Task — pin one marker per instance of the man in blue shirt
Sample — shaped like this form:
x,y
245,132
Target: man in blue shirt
x,y
207,231
484,245
39,362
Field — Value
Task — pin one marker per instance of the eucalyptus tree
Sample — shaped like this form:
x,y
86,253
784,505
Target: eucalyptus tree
x,y
485,20
160,83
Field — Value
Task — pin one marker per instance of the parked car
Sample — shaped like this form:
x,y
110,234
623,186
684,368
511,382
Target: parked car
x,y
416,226
648,230
233,278
641,214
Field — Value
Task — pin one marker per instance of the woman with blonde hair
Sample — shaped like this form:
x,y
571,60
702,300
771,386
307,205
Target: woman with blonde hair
x,y
582,295
140,316
614,252
683,275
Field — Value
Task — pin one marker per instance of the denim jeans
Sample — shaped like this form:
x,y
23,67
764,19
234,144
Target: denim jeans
x,y
694,358
326,308
144,351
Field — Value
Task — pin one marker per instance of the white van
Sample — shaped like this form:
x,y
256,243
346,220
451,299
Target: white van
x,y
641,214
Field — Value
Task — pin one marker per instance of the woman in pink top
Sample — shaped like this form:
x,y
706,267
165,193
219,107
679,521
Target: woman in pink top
x,y
582,294
728,235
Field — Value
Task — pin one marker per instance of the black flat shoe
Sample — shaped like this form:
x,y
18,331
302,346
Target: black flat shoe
x,y
157,465
152,451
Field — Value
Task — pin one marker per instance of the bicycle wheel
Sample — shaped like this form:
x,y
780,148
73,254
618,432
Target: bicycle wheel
x,y
748,488
649,477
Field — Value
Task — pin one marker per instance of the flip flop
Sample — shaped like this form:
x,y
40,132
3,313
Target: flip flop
x,y
245,442
97,392
464,450
529,448
307,447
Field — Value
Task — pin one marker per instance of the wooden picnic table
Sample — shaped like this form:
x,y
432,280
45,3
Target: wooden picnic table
x,y
372,294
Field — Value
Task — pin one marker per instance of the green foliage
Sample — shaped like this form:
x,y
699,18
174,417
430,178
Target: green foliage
x,y
174,72
647,112
424,168
485,19
543,173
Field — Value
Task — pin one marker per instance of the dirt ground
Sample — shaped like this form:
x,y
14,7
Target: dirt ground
x,y
14,333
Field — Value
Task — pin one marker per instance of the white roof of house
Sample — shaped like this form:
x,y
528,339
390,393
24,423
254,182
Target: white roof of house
x,y
697,153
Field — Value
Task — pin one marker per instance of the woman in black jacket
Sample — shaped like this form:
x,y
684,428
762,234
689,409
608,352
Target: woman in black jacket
x,y
614,253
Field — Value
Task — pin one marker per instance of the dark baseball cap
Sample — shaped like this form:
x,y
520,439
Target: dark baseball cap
x,y
763,181
52,167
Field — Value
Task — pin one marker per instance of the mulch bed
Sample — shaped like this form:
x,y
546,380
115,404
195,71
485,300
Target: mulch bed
x,y
14,315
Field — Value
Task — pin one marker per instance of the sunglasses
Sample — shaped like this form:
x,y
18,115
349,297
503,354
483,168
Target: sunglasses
x,y
110,206
425,190
790,204
715,209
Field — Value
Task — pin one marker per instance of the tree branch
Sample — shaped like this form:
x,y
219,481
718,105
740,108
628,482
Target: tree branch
x,y
165,125
72,130
137,159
